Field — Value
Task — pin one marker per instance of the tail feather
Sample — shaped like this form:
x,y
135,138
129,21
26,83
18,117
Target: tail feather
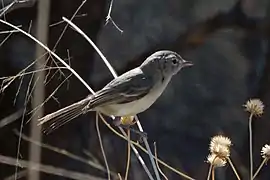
x,y
57,119
55,123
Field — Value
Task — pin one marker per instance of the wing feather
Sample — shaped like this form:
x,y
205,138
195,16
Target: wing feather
x,y
126,88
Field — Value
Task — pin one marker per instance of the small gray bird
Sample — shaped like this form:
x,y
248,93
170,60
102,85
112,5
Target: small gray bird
x,y
127,95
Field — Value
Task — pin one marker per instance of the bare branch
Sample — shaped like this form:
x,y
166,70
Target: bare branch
x,y
11,118
47,169
16,4
109,18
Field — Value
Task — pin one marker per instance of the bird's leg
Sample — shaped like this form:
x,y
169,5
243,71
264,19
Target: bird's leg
x,y
140,133
123,121
126,122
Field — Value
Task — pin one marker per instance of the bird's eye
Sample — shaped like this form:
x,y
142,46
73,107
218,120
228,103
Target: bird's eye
x,y
174,61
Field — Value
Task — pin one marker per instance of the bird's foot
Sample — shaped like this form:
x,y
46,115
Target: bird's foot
x,y
126,122
141,134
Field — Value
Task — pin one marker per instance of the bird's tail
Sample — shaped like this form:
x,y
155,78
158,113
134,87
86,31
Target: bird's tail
x,y
57,119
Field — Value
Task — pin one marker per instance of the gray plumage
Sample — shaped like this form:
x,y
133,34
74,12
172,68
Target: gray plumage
x,y
127,95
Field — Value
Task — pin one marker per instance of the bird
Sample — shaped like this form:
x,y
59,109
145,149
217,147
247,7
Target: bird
x,y
128,94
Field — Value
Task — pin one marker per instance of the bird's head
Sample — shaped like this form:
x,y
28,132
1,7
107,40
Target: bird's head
x,y
168,62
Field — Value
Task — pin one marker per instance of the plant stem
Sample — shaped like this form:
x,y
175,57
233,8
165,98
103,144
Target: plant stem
x,y
102,149
149,150
128,154
259,168
213,173
233,168
250,145
209,172
159,169
133,144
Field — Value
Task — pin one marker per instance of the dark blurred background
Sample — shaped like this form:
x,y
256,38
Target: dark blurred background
x,y
226,40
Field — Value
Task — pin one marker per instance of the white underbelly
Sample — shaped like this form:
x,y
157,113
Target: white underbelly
x,y
132,108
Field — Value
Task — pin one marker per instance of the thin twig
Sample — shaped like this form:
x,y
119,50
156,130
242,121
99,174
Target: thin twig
x,y
90,155
250,145
52,53
108,18
213,173
144,150
6,8
101,147
233,168
8,32
31,72
21,125
133,148
18,90
159,169
62,21
8,80
119,175
209,172
94,46
139,157
65,153
109,13
148,149
65,28
63,31
128,154
260,167
11,118
6,38
19,175
16,4
33,111
48,169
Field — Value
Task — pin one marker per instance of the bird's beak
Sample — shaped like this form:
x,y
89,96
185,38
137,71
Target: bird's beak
x,y
186,63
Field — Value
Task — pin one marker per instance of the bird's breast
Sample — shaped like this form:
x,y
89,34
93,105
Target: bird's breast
x,y
135,107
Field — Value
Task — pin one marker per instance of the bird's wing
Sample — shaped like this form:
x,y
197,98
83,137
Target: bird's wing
x,y
126,88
